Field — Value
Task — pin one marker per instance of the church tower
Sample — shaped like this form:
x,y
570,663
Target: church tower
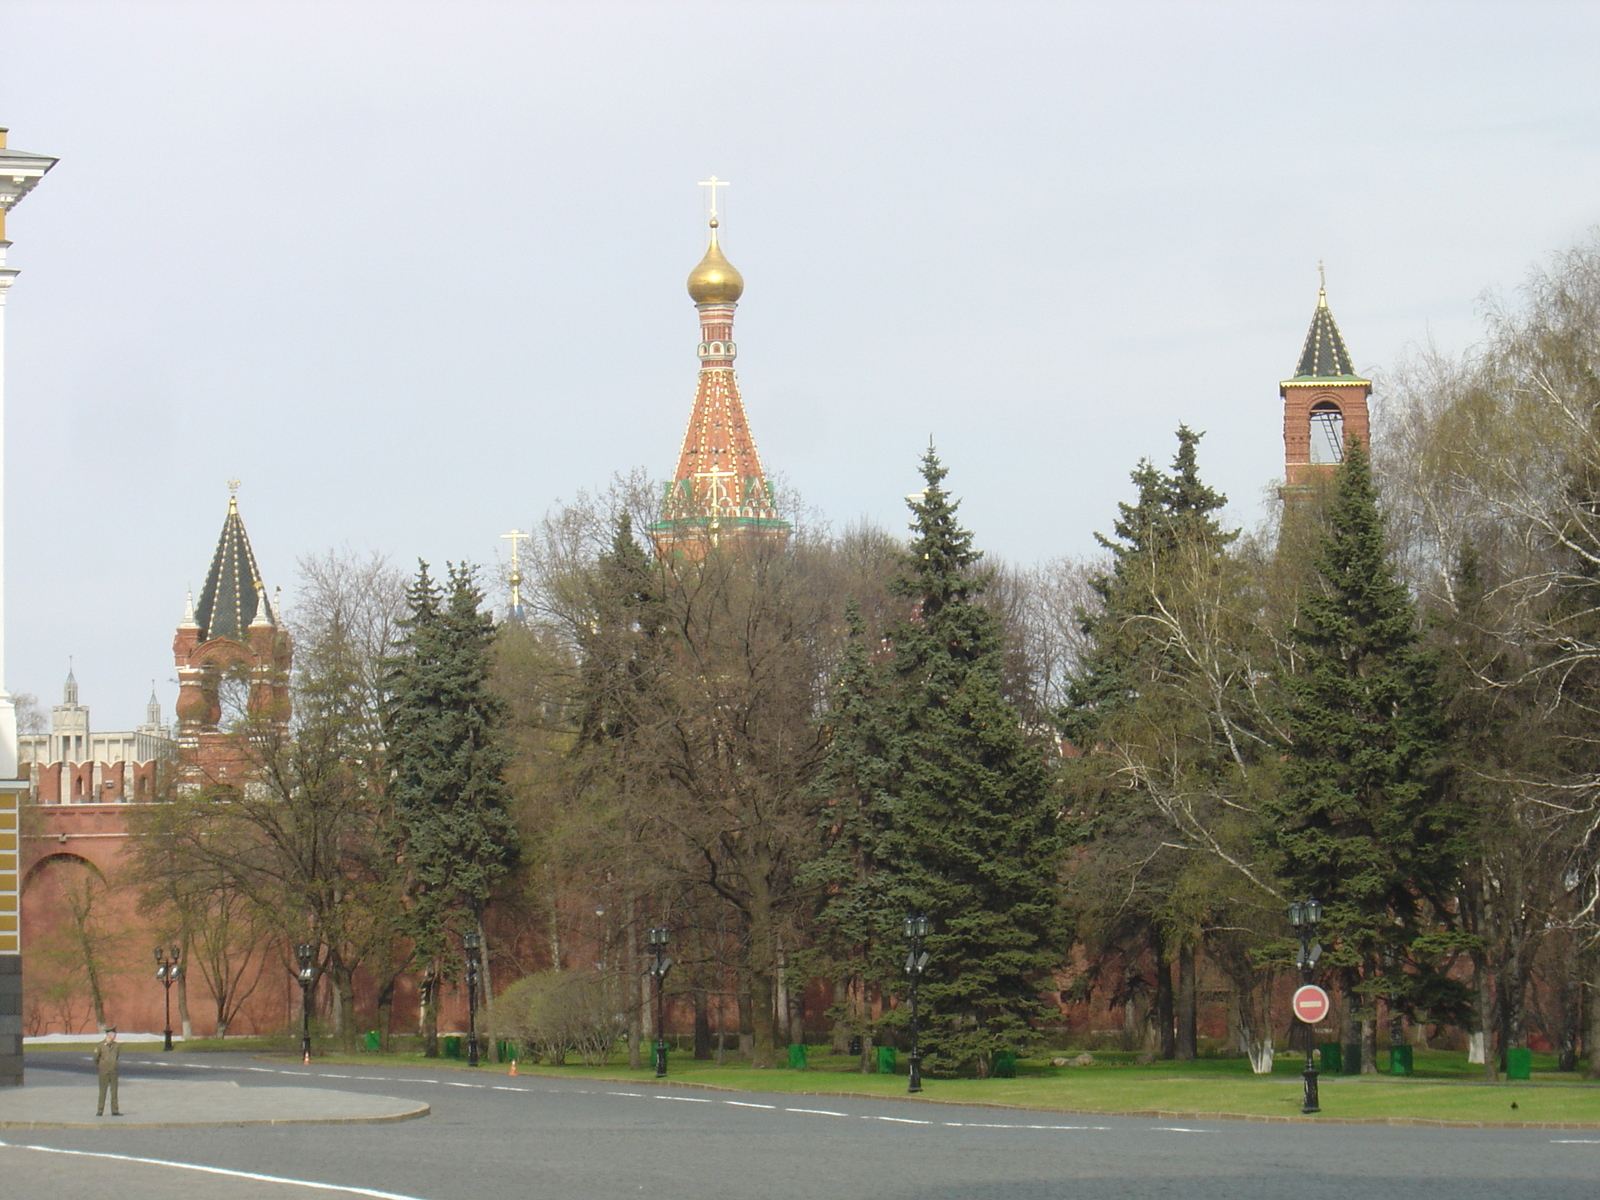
x,y
719,494
230,644
1324,406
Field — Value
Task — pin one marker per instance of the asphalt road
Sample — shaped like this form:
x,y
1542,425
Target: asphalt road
x,y
494,1138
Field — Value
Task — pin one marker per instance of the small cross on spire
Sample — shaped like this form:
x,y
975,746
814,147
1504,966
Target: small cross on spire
x,y
713,183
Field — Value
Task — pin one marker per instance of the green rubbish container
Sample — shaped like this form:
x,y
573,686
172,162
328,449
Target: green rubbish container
x,y
1332,1058
886,1060
452,1046
1519,1063
1005,1065
1352,1059
373,1040
797,1058
508,1050
1400,1060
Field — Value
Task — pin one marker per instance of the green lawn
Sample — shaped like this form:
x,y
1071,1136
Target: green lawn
x,y
1445,1087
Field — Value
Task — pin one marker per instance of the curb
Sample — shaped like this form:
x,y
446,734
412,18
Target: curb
x,y
421,1110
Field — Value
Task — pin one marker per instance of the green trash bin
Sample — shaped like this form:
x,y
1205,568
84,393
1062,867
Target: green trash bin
x,y
1352,1058
452,1046
1519,1063
1400,1060
1005,1065
372,1040
1332,1055
797,1058
886,1060
508,1050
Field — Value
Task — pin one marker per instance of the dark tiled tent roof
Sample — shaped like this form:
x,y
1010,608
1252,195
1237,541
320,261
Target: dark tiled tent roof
x,y
232,595
1324,355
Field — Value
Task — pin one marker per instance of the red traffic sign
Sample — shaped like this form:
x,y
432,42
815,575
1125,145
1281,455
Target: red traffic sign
x,y
1311,1003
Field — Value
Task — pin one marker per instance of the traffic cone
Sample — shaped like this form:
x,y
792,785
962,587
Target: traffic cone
x,y
513,1070
308,1058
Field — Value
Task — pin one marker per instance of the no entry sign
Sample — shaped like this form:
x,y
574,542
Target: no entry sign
x,y
1311,1003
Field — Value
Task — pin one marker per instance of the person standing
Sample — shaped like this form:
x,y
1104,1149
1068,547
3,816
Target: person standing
x,y
105,1064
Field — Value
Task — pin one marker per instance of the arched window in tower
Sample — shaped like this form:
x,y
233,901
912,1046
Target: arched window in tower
x,y
1327,432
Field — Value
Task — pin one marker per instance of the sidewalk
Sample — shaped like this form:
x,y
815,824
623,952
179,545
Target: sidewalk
x,y
181,1104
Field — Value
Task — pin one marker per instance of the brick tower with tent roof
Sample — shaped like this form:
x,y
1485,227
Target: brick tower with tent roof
x,y
1324,406
230,644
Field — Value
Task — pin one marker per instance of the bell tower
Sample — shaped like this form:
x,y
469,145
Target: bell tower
x,y
719,493
1324,405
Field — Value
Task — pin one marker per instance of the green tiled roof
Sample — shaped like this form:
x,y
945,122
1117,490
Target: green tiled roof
x,y
1324,355
232,595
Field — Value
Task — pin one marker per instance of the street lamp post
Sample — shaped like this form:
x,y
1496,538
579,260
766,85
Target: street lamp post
x,y
1305,916
168,971
304,952
660,964
917,929
473,946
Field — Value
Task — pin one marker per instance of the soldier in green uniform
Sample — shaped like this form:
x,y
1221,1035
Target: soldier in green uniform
x,y
105,1063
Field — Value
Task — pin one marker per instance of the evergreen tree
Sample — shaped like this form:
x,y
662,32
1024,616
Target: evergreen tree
x,y
442,724
1364,820
956,818
1156,536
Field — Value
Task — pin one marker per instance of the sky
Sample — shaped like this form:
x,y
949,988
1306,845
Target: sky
x,y
414,272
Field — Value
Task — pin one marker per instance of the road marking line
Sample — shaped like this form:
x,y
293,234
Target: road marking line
x,y
747,1104
901,1120
1575,1141
453,1083
821,1112
331,1075
1179,1129
397,1080
685,1099
501,1087
183,1166
635,1095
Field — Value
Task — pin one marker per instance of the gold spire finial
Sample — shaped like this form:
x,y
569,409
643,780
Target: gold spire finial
x,y
1322,286
233,495
715,280
515,578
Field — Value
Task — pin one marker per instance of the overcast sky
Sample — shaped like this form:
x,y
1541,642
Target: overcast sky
x,y
415,272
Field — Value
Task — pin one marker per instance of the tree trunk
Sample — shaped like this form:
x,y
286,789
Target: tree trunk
x,y
1186,1041
1593,1040
631,970
346,995
1369,1027
1165,1029
763,1052
183,1005
702,1025
486,991
430,1013
747,1040
385,1014
839,1035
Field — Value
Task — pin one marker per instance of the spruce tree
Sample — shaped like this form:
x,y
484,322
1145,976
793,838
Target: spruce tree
x,y
1364,821
442,722
956,819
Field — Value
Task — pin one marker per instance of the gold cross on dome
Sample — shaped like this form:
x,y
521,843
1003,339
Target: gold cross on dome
x,y
713,183
233,487
515,536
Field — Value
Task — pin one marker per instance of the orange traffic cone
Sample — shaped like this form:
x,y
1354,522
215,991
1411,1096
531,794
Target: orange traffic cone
x,y
308,1058
513,1070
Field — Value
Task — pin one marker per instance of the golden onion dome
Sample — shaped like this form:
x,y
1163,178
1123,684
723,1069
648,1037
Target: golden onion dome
x,y
715,280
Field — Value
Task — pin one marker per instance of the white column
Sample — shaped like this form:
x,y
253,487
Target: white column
x,y
18,174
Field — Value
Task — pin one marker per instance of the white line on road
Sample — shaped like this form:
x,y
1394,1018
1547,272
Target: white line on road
x,y
183,1166
901,1120
1177,1129
685,1099
820,1112
1575,1141
747,1104
635,1095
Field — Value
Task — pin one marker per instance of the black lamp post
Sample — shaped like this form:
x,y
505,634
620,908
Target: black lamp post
x,y
473,946
660,964
917,929
308,973
168,971
1305,916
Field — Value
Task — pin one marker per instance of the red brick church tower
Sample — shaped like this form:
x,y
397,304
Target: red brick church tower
x,y
230,644
719,493
1324,406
